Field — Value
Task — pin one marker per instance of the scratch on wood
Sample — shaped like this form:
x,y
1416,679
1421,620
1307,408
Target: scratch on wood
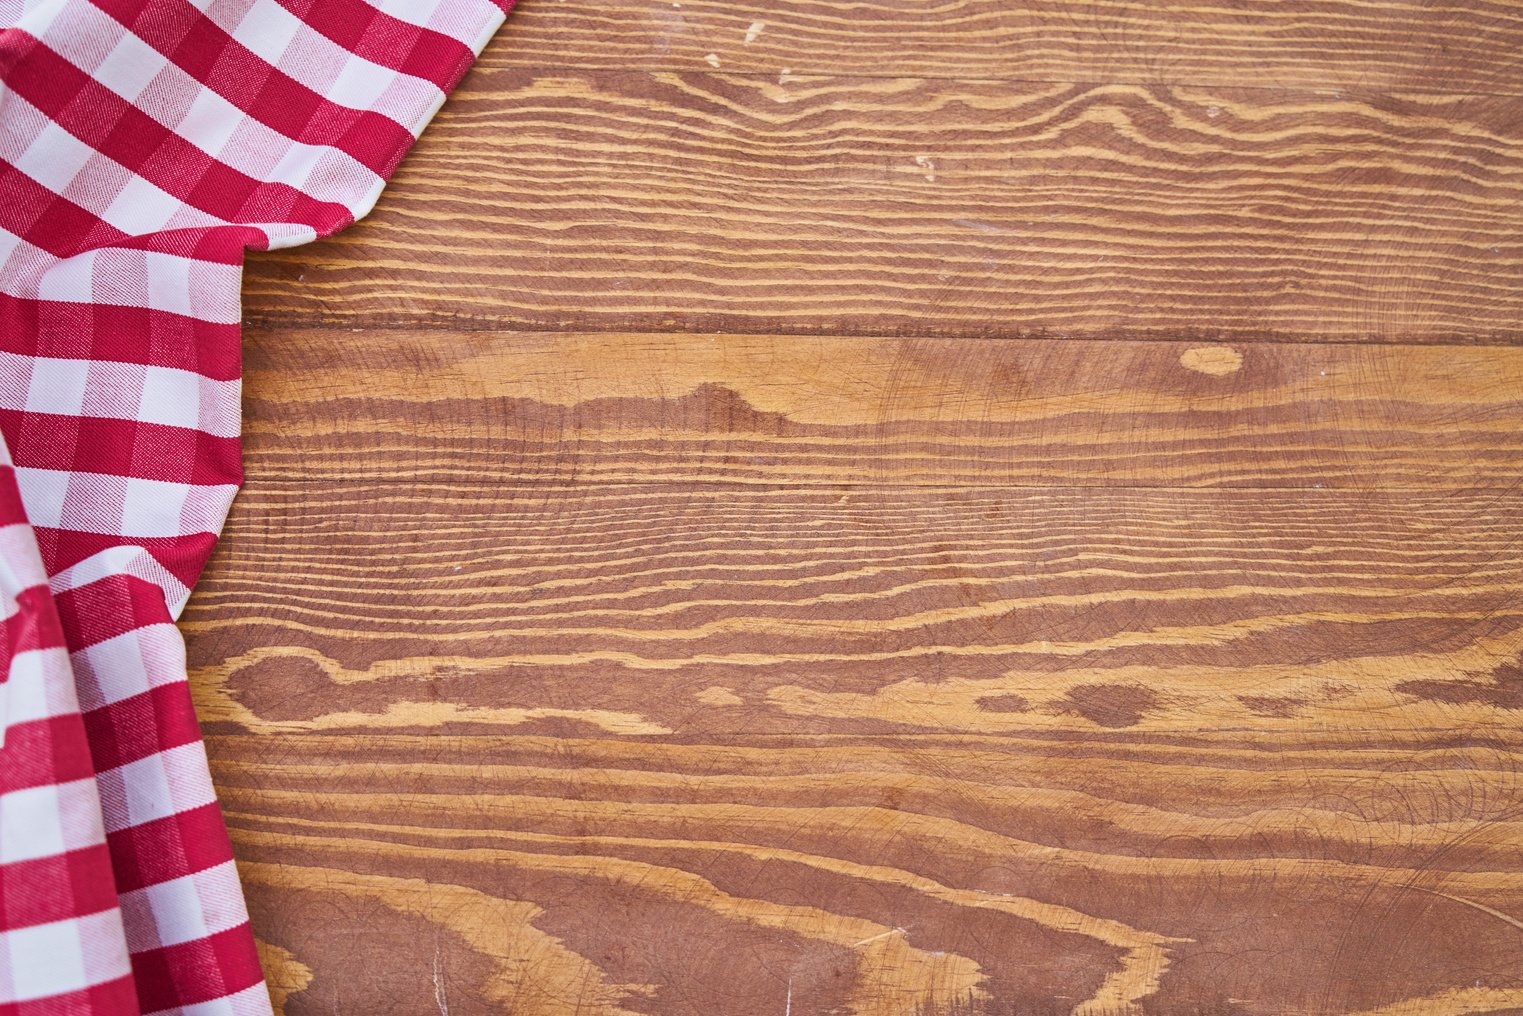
x,y
441,994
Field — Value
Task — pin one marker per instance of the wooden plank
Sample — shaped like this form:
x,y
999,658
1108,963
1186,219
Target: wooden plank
x,y
600,201
1467,46
629,608
879,875
483,407
684,750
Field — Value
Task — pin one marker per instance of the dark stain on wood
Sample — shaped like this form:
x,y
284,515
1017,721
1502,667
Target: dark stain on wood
x,y
1278,706
1111,705
1504,690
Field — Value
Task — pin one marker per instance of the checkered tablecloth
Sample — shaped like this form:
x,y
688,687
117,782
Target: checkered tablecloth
x,y
144,145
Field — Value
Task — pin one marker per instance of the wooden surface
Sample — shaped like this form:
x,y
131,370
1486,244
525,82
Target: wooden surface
x,y
972,509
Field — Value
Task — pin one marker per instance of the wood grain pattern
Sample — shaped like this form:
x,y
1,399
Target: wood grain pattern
x,y
478,407
887,509
660,610
685,748
885,875
1465,46
627,201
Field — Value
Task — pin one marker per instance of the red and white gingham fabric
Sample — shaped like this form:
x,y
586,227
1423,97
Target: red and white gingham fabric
x,y
144,144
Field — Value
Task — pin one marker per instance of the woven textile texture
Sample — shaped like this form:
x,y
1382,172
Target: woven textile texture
x,y
144,145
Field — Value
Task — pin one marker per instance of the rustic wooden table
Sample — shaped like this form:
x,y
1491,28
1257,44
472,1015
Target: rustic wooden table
x,y
898,508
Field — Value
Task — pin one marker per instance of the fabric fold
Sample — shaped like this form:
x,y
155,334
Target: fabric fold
x,y
144,146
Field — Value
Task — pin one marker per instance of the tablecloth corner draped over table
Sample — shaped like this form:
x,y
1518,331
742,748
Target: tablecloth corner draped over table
x,y
144,145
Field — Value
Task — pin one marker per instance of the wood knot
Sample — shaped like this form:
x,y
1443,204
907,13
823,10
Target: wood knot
x,y
1218,361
